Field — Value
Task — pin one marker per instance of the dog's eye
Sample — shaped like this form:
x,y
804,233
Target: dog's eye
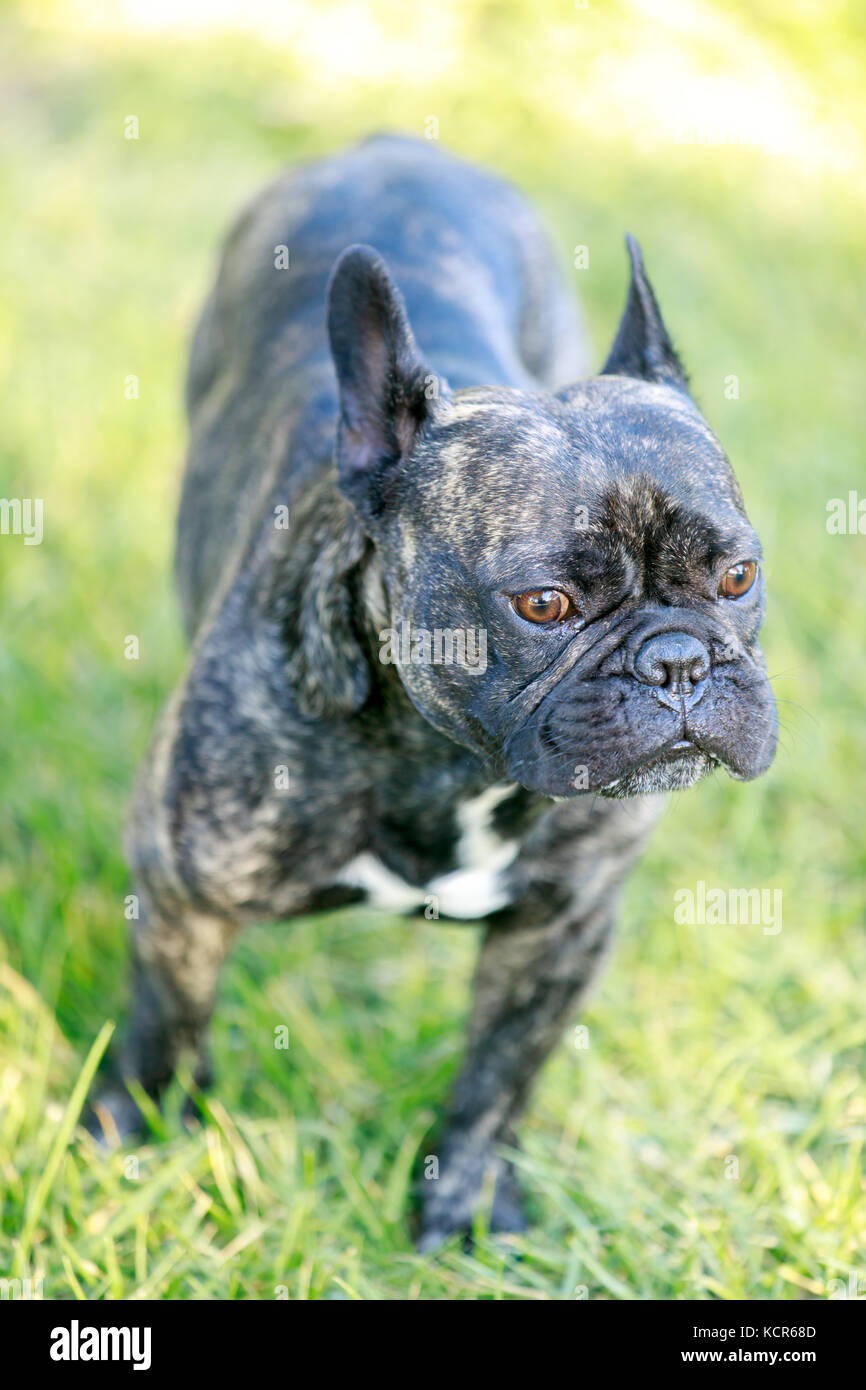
x,y
739,579
543,606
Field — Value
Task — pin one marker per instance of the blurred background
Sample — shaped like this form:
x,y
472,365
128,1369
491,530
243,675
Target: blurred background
x,y
730,139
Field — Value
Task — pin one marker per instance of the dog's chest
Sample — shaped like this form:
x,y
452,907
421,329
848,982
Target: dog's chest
x,y
477,885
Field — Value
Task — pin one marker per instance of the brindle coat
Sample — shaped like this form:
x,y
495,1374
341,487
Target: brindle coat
x,y
459,479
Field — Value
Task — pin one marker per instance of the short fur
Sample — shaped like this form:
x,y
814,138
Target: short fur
x,y
419,403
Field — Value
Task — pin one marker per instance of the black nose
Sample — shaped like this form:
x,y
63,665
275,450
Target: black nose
x,y
673,660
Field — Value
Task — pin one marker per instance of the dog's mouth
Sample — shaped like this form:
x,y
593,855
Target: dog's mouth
x,y
675,766
637,749
681,748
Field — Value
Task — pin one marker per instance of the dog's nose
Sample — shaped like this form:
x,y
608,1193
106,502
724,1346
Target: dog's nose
x,y
673,660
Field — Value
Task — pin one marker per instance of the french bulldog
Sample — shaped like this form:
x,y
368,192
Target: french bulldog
x,y
460,614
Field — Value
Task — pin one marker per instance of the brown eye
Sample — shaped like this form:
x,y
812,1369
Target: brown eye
x,y
543,606
739,579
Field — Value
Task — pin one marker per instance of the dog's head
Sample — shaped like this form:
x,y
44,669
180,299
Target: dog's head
x,y
573,588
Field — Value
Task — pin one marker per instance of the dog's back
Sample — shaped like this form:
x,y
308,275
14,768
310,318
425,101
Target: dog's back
x,y
480,285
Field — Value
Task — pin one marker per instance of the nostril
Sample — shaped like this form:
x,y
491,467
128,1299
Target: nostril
x,y
650,670
672,659
699,669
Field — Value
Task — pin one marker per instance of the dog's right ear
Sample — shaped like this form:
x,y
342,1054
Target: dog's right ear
x,y
386,389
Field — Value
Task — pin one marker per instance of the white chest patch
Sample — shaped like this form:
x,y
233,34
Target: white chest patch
x,y
475,888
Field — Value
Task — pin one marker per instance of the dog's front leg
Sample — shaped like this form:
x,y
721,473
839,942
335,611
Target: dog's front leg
x,y
538,959
528,981
176,953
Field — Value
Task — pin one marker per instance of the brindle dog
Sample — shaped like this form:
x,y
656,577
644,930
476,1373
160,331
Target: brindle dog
x,y
444,478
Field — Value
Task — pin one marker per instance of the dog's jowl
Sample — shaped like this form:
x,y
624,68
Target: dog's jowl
x,y
460,613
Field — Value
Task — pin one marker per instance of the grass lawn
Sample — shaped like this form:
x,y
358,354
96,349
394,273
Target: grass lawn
x,y
707,1143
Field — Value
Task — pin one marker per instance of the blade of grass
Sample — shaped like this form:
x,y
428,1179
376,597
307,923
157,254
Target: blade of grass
x,y
37,1201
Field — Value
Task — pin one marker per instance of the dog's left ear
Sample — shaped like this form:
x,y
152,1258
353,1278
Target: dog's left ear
x,y
386,389
642,347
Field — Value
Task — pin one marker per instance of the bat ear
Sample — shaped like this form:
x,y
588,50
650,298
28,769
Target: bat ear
x,y
642,347
385,386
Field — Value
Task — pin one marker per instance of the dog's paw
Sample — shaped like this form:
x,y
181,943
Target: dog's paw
x,y
465,1181
113,1118
194,1110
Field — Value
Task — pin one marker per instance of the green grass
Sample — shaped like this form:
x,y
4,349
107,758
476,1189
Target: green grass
x,y
706,1043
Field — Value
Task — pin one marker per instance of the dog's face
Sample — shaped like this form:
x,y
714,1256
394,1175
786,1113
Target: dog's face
x,y
574,589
